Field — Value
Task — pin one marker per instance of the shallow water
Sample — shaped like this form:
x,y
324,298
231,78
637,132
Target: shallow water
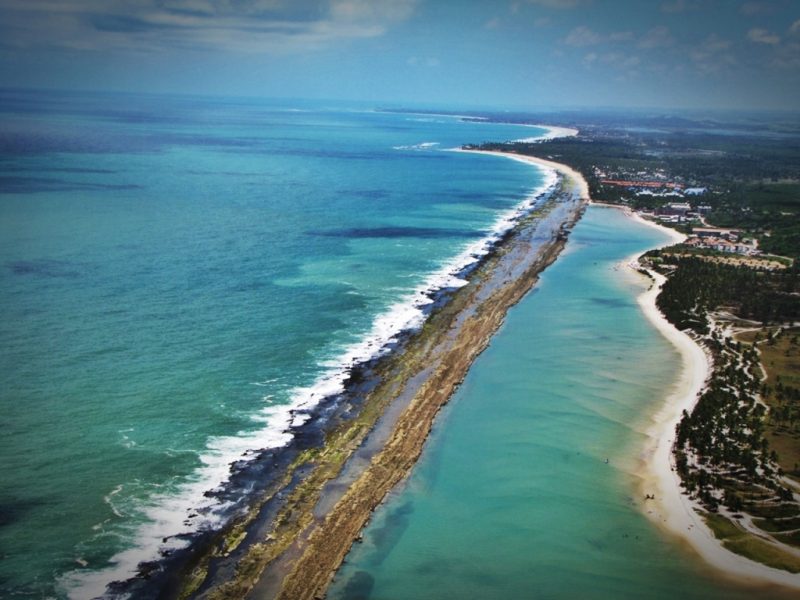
x,y
524,489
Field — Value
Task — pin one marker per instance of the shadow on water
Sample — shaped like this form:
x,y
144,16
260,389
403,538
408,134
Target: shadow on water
x,y
359,586
383,539
43,268
612,302
386,536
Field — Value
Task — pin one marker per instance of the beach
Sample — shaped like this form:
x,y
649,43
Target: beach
x,y
552,133
571,176
672,510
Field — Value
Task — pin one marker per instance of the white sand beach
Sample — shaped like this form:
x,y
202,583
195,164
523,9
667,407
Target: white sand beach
x,y
553,132
671,510
571,174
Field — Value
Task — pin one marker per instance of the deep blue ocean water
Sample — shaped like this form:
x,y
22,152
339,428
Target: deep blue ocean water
x,y
176,273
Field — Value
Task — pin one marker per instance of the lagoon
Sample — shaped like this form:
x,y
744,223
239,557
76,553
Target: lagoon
x,y
526,488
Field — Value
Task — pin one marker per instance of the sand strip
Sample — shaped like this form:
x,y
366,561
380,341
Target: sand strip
x,y
572,179
553,132
481,311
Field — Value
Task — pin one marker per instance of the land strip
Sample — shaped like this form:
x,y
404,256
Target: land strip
x,y
342,481
498,286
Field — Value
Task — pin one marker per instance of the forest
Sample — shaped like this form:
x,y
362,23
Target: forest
x,y
697,286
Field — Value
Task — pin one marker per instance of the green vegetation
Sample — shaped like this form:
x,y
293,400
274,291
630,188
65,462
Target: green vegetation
x,y
768,209
724,449
723,528
697,286
777,525
752,177
737,540
793,539
763,552
780,357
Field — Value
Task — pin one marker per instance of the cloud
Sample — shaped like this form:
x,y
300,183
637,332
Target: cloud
x,y
621,36
754,8
619,60
220,25
583,36
560,4
373,11
493,23
676,6
656,38
795,28
787,56
762,36
427,61
713,55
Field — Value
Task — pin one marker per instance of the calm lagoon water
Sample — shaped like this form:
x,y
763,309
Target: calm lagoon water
x,y
513,497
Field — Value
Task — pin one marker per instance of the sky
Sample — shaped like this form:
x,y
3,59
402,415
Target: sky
x,y
515,54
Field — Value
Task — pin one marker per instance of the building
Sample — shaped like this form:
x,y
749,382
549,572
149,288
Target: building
x,y
675,209
714,232
696,191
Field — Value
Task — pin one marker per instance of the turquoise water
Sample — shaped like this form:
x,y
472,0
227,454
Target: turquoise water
x,y
524,489
175,274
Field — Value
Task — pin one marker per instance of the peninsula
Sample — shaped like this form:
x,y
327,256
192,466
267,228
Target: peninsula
x,y
294,539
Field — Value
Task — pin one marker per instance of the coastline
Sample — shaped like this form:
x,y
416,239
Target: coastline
x,y
553,132
357,446
571,176
476,316
671,510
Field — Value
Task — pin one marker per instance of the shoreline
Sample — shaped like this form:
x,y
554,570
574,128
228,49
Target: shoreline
x,y
352,449
569,174
300,425
553,132
461,337
671,510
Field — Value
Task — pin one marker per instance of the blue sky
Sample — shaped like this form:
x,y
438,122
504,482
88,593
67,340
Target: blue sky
x,y
504,54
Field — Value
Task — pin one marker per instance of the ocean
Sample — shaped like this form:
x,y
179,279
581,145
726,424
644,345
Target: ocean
x,y
179,273
527,487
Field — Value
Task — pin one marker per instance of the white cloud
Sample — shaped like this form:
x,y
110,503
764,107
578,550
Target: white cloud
x,y
762,36
788,56
623,65
754,8
656,38
676,6
556,3
427,61
621,36
584,36
713,55
382,11
272,26
795,28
